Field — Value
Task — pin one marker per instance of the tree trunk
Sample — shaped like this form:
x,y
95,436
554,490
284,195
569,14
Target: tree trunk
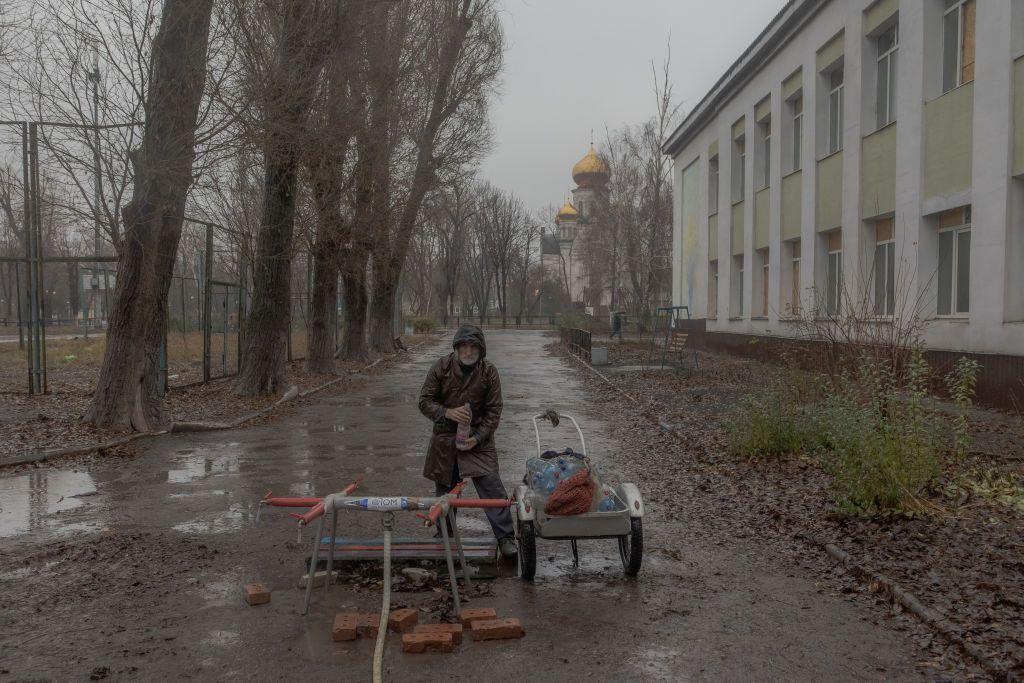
x,y
382,310
392,252
289,94
353,282
266,326
73,280
127,392
320,352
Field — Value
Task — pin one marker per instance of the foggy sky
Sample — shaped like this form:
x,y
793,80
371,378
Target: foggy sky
x,y
573,65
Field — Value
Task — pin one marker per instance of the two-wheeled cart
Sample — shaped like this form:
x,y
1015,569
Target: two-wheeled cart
x,y
623,523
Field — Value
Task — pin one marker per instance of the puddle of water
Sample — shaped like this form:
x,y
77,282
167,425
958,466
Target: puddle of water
x,y
221,593
27,500
194,494
657,662
221,639
302,489
22,572
199,466
231,519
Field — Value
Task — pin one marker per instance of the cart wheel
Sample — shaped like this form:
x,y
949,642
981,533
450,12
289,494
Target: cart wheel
x,y
631,547
527,551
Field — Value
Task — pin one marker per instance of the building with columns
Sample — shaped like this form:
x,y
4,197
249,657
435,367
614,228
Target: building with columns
x,y
861,157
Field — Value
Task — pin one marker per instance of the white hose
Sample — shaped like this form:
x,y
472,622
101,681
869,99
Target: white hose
x,y
385,611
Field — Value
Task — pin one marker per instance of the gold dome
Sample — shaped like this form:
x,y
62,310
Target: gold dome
x,y
590,170
568,212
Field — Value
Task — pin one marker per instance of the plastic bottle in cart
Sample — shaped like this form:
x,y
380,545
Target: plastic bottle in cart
x,y
463,432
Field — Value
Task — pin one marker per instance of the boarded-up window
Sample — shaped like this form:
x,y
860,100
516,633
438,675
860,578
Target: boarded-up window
x,y
795,275
884,268
958,41
834,273
954,267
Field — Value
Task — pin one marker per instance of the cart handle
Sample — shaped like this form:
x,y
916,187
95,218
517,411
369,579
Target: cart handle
x,y
536,430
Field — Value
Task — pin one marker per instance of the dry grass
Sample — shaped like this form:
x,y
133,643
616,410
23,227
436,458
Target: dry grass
x,y
74,363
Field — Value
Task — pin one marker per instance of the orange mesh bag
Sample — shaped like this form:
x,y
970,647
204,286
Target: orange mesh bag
x,y
571,497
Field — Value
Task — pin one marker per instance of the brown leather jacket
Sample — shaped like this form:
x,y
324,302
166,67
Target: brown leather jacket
x,y
446,387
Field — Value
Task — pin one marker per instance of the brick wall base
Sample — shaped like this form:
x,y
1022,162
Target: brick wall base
x,y
1000,378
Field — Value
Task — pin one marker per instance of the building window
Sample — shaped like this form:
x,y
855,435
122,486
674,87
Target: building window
x,y
581,207
797,110
835,110
713,289
713,185
765,170
763,254
885,85
794,265
954,277
737,290
739,168
834,273
885,268
957,43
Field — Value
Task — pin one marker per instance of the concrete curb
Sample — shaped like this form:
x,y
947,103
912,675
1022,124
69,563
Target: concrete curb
x,y
904,598
43,456
290,395
185,427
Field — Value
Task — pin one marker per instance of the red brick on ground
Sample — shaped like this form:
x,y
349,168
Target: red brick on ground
x,y
471,614
454,629
256,594
346,627
403,620
368,624
497,629
427,642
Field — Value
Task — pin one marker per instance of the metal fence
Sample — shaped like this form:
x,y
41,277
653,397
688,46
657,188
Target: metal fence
x,y
576,341
526,322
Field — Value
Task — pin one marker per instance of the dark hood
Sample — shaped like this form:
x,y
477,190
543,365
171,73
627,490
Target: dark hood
x,y
473,335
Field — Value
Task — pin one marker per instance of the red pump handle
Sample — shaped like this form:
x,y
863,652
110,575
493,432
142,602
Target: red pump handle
x,y
437,510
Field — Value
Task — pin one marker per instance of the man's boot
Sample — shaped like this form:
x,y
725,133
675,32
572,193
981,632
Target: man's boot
x,y
507,547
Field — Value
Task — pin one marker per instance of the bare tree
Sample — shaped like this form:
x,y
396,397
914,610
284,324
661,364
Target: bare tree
x,y
459,59
640,204
127,393
332,123
452,229
501,223
284,87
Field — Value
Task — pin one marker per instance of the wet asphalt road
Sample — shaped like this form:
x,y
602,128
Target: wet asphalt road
x,y
135,569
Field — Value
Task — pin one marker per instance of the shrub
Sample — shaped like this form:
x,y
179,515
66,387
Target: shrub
x,y
422,324
882,446
767,426
960,383
777,421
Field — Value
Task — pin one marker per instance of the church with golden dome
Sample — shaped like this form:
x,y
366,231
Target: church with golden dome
x,y
568,253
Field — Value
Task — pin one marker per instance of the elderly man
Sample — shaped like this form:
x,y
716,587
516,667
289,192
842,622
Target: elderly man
x,y
464,377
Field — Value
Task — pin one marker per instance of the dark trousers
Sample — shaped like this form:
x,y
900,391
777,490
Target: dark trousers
x,y
487,486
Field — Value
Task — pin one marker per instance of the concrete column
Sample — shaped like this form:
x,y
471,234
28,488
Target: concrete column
x,y
724,128
809,181
911,278
750,146
991,163
855,275
774,283
677,233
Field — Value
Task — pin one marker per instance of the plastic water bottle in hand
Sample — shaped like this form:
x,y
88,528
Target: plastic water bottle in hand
x,y
463,432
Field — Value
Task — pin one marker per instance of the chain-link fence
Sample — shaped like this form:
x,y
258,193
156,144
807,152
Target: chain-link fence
x,y
59,220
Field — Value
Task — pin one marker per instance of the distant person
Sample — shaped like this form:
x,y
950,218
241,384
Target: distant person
x,y
616,325
459,378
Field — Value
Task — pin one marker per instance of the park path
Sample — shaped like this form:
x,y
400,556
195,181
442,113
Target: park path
x,y
134,569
